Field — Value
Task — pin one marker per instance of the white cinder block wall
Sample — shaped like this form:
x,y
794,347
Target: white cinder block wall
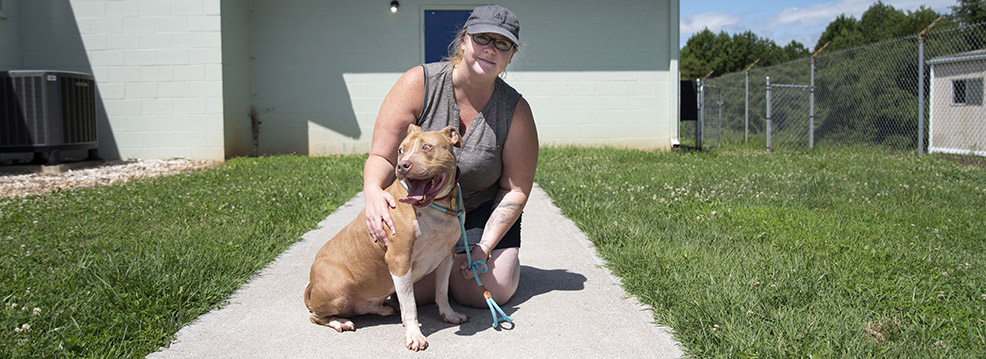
x,y
157,63
598,73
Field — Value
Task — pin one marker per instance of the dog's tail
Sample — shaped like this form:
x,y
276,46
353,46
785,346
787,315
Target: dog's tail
x,y
308,297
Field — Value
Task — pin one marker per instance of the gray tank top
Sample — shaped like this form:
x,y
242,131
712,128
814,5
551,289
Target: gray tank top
x,y
480,160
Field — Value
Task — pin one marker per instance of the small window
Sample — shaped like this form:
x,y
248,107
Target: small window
x,y
967,92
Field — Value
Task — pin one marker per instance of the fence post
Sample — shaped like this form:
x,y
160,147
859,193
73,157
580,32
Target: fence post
x,y
746,110
768,113
701,114
811,107
719,103
920,95
811,99
921,85
746,106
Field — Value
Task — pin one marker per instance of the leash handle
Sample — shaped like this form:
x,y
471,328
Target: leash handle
x,y
479,266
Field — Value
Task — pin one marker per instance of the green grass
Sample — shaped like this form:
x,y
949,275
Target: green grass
x,y
832,253
115,271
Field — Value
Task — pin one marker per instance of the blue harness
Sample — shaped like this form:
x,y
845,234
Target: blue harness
x,y
477,266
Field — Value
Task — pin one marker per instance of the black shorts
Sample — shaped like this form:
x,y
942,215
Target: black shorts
x,y
476,223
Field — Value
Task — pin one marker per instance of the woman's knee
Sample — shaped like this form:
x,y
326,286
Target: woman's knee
x,y
466,291
501,280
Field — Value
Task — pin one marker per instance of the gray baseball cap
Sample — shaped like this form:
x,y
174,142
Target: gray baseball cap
x,y
494,19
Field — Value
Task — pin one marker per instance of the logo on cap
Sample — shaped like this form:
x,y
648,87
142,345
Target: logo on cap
x,y
500,16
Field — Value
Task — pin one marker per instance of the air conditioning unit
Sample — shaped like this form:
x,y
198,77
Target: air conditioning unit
x,y
47,112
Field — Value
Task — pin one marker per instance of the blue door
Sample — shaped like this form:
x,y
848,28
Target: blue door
x,y
440,29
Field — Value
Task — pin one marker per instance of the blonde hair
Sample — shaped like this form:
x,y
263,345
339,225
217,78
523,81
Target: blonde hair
x,y
455,51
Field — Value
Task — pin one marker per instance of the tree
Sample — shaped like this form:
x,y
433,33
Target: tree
x,y
795,50
706,51
696,54
968,12
843,32
880,22
693,68
919,19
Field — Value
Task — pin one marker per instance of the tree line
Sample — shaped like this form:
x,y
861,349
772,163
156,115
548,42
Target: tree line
x,y
722,54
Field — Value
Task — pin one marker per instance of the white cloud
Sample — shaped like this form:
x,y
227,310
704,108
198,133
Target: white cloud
x,y
824,13
804,24
715,21
817,16
821,14
941,6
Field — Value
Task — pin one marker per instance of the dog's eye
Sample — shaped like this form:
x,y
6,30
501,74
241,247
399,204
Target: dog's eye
x,y
400,150
426,147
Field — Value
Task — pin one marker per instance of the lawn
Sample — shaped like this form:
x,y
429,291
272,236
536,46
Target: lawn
x,y
831,253
115,271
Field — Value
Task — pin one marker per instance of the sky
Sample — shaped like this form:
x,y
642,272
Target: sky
x,y
782,20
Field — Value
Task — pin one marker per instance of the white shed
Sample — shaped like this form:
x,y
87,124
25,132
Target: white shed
x,y
212,79
958,116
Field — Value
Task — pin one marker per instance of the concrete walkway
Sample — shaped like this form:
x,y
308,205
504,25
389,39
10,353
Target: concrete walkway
x,y
568,305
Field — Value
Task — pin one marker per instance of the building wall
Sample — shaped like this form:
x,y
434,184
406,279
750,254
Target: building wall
x,y
956,128
10,58
186,78
9,36
599,73
237,129
157,63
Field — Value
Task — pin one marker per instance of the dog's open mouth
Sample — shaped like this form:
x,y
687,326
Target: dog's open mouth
x,y
421,192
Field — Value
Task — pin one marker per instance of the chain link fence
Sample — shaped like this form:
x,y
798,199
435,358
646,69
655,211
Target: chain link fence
x,y
866,96
956,113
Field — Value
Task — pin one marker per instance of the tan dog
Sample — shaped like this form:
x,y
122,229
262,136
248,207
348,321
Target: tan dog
x,y
352,275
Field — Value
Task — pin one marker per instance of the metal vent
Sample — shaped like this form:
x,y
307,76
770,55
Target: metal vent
x,y
78,110
22,108
47,111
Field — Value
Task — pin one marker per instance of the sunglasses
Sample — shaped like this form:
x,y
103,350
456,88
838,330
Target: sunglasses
x,y
500,44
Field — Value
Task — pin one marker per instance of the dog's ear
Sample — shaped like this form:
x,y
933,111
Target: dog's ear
x,y
412,129
452,135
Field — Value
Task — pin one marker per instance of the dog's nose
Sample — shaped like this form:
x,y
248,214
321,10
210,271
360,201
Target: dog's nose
x,y
404,165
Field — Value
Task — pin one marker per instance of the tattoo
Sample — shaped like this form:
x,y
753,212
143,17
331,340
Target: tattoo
x,y
505,213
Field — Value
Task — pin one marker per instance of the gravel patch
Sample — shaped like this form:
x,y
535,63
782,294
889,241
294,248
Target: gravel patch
x,y
107,173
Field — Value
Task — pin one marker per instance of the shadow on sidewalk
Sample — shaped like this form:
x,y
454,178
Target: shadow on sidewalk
x,y
534,282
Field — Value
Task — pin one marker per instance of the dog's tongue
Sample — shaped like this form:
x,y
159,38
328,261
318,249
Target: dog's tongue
x,y
416,191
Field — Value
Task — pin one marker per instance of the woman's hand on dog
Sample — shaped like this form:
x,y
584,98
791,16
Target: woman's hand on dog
x,y
378,206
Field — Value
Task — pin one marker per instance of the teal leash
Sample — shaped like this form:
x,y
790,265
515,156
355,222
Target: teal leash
x,y
477,266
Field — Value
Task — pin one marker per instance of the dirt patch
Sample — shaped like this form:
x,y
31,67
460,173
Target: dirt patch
x,y
968,160
107,173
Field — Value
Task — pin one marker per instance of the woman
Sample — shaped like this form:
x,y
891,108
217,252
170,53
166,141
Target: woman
x,y
496,165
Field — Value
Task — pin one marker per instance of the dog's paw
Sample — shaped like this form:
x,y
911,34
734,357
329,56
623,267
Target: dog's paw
x,y
454,318
341,325
416,341
387,311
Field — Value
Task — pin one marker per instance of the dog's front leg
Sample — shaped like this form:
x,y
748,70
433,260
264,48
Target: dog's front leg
x,y
404,287
442,273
